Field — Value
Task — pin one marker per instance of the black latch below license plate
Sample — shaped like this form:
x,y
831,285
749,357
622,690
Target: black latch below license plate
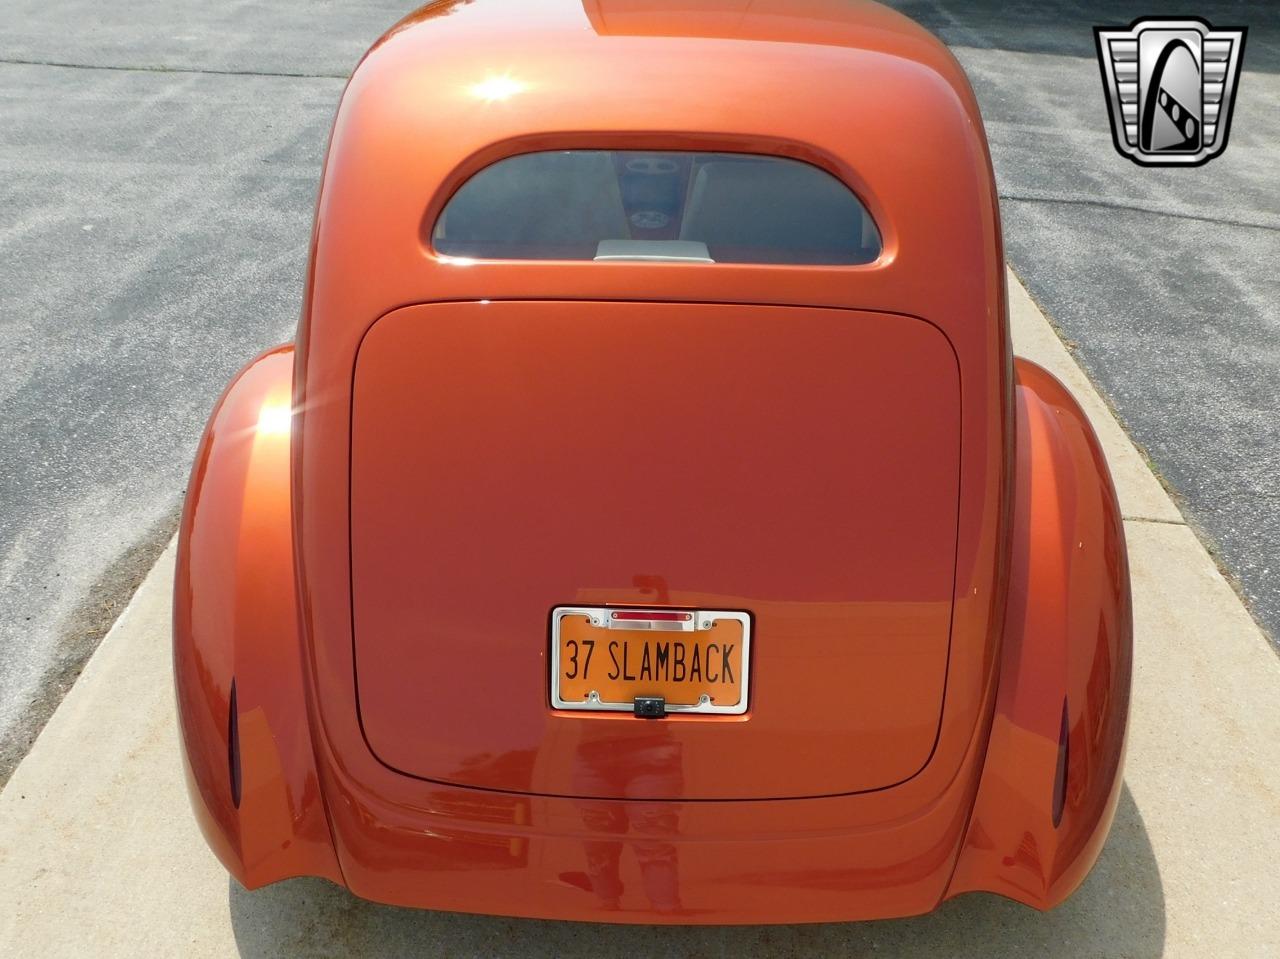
x,y
650,707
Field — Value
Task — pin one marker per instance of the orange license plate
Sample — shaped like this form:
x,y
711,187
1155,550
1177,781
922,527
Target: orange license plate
x,y
693,661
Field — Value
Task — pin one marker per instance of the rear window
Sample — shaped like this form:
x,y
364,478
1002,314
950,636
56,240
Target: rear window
x,y
639,205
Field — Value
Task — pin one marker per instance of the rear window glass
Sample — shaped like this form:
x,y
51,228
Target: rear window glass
x,y
639,205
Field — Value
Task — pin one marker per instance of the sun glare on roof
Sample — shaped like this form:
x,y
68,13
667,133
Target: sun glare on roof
x,y
493,89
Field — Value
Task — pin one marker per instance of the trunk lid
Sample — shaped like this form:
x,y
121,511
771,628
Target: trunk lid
x,y
799,464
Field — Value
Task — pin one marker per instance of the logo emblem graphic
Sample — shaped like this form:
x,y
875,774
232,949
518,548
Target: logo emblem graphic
x,y
1170,85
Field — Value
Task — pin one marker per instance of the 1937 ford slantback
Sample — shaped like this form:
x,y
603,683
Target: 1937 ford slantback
x,y
651,523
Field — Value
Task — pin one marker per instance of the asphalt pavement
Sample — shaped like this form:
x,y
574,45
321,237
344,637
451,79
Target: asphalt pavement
x,y
160,161
1165,281
154,222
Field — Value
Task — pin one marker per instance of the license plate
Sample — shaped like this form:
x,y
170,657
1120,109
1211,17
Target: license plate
x,y
603,658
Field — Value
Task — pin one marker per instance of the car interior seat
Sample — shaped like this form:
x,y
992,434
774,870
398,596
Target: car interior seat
x,y
537,202
767,211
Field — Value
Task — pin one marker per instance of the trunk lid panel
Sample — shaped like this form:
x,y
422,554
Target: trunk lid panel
x,y
798,463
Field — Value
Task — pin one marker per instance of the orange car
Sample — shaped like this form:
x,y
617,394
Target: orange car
x,y
651,523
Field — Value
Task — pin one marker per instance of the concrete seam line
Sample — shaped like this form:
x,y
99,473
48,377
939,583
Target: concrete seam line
x,y
209,71
1135,208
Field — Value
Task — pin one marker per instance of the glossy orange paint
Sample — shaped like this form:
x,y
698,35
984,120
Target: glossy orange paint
x,y
1066,665
588,444
235,621
627,827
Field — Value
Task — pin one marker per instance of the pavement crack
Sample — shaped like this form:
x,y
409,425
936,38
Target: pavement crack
x,y
1137,208
206,71
1154,519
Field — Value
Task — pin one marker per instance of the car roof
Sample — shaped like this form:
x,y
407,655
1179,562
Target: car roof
x,y
778,31
851,87
846,84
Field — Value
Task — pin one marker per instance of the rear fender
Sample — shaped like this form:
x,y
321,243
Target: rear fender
x,y
237,655
1052,773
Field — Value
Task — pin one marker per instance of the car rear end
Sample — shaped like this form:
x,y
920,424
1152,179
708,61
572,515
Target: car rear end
x,y
650,479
